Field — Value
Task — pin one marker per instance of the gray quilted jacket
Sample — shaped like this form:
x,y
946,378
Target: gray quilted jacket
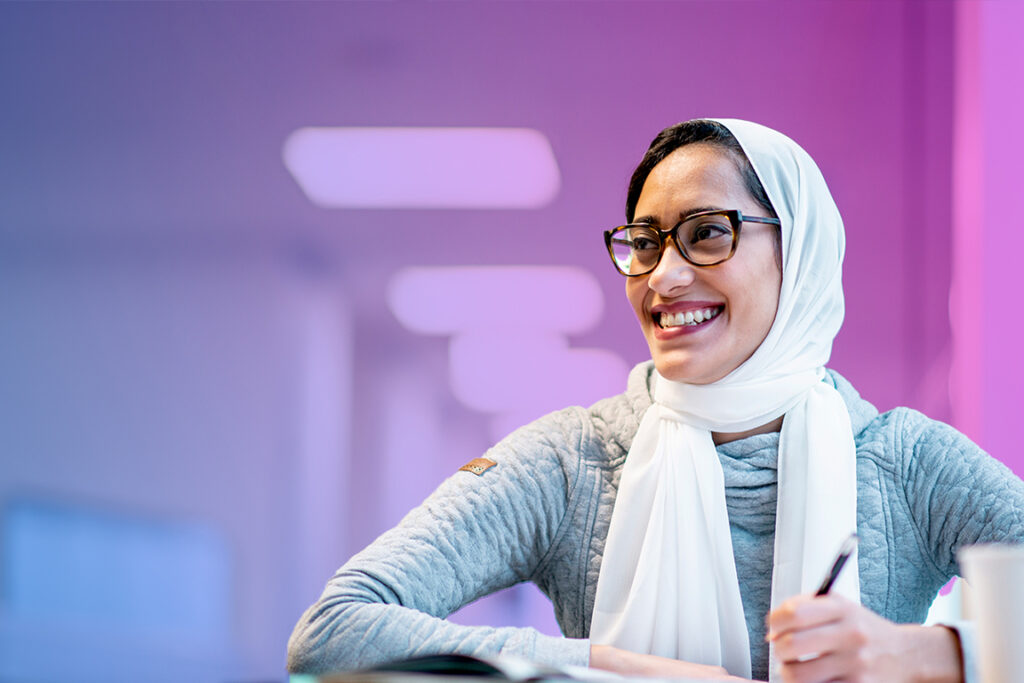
x,y
542,513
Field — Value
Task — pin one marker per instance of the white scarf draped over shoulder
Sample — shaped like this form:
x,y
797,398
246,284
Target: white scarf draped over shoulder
x,y
667,584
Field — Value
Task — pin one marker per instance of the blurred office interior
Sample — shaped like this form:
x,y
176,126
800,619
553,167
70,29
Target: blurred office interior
x,y
220,381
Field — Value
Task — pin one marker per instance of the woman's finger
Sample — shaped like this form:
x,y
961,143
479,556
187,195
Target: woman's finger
x,y
805,611
802,644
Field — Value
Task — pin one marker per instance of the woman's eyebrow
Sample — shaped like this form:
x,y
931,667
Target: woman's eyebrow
x,y
698,209
683,215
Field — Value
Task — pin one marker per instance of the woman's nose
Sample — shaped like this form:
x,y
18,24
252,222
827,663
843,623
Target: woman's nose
x,y
672,273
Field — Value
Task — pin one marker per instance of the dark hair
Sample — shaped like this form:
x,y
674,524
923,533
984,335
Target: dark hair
x,y
688,133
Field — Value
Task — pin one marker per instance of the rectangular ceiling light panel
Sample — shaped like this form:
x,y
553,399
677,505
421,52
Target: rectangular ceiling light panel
x,y
423,168
453,299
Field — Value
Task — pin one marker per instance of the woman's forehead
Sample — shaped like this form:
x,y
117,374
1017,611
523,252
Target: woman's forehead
x,y
694,177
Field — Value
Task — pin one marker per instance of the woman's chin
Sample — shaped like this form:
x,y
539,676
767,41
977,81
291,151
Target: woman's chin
x,y
678,373
684,370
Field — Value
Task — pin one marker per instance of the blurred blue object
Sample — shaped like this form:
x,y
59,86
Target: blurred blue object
x,y
70,563
95,594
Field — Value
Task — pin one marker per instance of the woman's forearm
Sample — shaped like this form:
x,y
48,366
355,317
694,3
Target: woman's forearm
x,y
633,664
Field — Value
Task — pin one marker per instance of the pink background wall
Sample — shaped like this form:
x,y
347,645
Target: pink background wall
x,y
208,372
988,372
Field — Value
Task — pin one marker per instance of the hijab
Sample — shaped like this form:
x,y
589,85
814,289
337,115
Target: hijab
x,y
667,584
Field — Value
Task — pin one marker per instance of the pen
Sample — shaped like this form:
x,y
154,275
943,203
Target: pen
x,y
849,545
845,550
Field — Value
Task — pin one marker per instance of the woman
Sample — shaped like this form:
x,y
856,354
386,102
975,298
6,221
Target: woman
x,y
678,526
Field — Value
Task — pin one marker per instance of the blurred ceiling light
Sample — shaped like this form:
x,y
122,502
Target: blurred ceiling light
x,y
446,300
529,372
509,353
423,168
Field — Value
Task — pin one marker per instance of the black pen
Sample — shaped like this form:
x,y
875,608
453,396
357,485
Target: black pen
x,y
849,545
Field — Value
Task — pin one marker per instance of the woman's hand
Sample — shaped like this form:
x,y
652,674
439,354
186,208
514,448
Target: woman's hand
x,y
829,638
633,664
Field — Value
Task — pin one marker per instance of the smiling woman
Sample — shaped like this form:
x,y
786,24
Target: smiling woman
x,y
720,381
680,526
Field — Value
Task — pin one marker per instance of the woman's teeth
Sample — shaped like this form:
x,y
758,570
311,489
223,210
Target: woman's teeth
x,y
689,318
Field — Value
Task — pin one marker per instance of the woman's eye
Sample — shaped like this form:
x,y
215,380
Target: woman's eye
x,y
643,243
710,231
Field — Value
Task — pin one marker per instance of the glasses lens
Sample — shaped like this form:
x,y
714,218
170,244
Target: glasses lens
x,y
635,249
707,239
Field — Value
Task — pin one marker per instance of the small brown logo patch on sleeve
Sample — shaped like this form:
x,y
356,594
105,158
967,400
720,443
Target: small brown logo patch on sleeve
x,y
478,466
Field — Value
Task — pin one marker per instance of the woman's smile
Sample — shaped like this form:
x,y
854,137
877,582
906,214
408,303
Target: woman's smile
x,y
684,318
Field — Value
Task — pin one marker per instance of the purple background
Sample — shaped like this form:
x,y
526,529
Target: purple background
x,y
208,402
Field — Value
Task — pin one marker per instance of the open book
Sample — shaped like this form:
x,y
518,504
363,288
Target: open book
x,y
502,668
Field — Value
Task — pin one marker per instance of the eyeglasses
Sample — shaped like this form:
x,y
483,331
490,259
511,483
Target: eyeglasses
x,y
704,239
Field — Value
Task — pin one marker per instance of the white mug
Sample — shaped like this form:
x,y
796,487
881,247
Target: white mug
x,y
995,574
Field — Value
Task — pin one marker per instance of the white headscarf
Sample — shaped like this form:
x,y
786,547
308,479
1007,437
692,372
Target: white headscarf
x,y
668,578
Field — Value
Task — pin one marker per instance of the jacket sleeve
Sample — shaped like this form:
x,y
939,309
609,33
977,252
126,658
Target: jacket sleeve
x,y
475,535
960,496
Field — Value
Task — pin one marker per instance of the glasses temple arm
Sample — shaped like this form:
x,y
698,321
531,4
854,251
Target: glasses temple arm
x,y
755,219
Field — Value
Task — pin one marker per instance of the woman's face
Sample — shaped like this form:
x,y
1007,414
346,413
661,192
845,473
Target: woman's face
x,y
741,295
